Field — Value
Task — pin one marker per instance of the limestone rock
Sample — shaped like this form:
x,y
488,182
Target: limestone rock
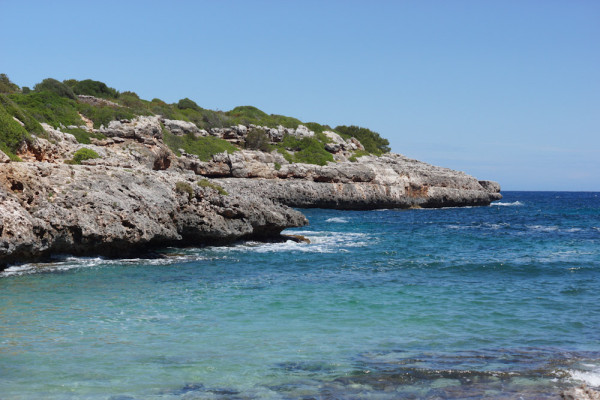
x,y
302,132
138,128
4,158
334,137
580,393
390,181
180,128
55,208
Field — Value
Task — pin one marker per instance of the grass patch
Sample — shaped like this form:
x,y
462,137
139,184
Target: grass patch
x,y
209,184
277,166
82,155
183,188
203,147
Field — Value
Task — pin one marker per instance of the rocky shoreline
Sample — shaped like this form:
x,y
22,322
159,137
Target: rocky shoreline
x,y
138,194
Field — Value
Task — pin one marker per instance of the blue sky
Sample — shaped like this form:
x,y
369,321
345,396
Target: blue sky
x,y
503,90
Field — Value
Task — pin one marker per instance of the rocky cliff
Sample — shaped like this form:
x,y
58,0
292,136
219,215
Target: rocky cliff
x,y
55,208
138,192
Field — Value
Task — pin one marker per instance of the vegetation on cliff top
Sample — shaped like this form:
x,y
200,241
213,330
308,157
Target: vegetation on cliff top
x,y
56,103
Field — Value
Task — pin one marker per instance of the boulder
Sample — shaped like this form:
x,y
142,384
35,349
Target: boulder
x,y
302,132
180,128
4,158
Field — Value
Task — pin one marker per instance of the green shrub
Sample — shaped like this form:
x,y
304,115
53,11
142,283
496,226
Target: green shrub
x,y
183,188
12,134
13,109
372,142
203,147
207,183
318,128
187,103
90,87
47,107
54,86
82,155
247,115
6,86
84,136
257,139
104,114
277,166
307,150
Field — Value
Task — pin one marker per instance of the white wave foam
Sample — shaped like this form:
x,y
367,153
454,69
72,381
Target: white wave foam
x,y
590,377
320,242
485,225
337,220
542,228
572,230
69,263
514,203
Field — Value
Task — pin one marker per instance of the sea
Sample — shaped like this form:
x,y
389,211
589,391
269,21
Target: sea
x,y
497,302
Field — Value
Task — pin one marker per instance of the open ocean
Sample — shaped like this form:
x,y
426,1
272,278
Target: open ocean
x,y
498,302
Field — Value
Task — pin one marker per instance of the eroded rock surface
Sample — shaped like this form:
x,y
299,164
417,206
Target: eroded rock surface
x,y
55,208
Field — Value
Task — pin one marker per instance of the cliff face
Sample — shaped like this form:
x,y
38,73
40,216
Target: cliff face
x,y
138,194
389,181
52,208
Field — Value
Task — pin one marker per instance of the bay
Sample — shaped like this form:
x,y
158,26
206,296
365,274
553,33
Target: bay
x,y
498,302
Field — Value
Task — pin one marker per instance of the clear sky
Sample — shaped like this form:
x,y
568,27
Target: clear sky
x,y
503,90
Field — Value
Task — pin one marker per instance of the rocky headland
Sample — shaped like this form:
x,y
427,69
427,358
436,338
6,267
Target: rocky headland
x,y
126,186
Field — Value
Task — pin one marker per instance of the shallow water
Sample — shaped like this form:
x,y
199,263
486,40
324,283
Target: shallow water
x,y
498,302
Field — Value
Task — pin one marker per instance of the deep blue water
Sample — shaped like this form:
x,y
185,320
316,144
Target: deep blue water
x,y
498,302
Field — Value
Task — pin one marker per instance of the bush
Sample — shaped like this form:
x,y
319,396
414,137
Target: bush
x,y
104,114
183,188
6,86
203,147
12,134
257,139
90,87
13,109
82,155
307,150
187,103
372,142
54,86
318,128
207,183
134,103
48,107
247,115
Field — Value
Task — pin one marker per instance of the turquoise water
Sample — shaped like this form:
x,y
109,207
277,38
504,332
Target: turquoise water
x,y
498,302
